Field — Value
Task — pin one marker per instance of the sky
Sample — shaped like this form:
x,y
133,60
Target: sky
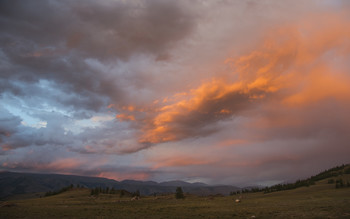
x,y
216,91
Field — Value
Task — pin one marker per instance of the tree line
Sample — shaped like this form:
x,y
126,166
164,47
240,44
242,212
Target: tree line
x,y
106,190
179,194
64,189
333,172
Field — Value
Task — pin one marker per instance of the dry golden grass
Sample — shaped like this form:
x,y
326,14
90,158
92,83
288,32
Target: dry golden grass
x,y
319,201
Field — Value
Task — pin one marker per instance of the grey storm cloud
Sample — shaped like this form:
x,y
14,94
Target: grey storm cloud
x,y
17,135
8,123
51,40
47,48
103,30
105,139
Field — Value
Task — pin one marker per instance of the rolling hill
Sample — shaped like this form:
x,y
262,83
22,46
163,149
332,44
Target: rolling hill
x,y
323,199
12,183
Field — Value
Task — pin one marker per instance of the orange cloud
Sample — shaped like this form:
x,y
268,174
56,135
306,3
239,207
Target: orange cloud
x,y
292,66
231,142
122,176
178,161
6,147
125,117
321,83
62,164
129,108
208,103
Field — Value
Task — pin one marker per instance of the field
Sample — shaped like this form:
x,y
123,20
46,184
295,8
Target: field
x,y
319,201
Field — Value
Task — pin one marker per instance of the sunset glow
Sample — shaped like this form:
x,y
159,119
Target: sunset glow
x,y
223,92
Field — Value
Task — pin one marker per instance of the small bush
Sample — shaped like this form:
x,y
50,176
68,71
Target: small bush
x,y
179,193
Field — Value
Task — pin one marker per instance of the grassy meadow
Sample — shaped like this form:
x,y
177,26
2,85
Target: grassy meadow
x,y
322,200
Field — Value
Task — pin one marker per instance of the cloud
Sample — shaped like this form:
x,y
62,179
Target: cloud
x,y
178,161
58,49
97,30
127,28
81,166
219,91
75,62
291,66
8,123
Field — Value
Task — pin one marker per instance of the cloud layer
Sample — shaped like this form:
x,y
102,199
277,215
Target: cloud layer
x,y
217,91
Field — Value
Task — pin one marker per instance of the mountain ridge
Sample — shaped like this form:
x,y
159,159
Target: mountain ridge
x,y
15,183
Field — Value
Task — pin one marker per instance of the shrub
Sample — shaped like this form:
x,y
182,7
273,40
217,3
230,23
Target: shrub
x,y
179,193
